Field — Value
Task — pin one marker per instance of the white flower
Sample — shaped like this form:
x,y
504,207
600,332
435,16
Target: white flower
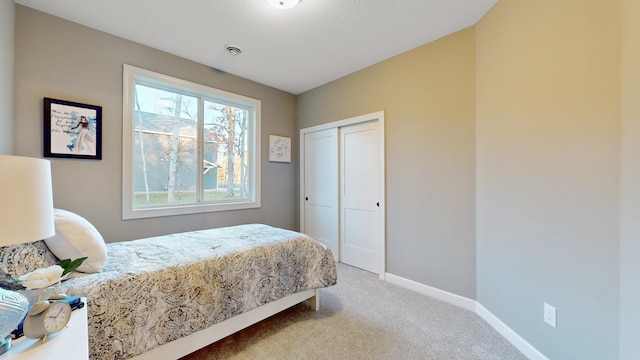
x,y
41,278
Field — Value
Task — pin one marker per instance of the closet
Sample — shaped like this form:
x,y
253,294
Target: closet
x,y
342,189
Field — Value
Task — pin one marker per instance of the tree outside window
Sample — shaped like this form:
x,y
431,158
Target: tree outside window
x,y
189,147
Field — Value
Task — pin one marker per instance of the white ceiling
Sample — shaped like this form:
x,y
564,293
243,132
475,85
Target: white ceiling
x,y
293,50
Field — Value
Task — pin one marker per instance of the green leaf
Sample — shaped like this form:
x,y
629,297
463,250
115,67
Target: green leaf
x,y
64,263
69,265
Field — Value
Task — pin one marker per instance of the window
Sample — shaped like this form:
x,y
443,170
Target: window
x,y
187,148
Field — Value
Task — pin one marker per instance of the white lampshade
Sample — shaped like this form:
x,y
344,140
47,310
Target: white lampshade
x,y
26,200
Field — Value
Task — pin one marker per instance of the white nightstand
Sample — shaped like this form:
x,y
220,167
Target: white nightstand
x,y
71,343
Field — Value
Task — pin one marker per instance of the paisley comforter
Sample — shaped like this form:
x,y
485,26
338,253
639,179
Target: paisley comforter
x,y
159,289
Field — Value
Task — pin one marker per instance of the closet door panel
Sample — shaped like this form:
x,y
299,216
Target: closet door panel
x,y
321,188
359,195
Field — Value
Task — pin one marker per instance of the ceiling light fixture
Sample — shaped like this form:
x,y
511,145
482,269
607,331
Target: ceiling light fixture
x,y
233,50
283,4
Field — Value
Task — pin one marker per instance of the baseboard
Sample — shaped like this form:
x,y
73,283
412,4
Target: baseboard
x,y
433,292
516,340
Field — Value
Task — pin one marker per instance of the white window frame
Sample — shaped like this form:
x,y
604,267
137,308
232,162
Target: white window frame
x,y
129,211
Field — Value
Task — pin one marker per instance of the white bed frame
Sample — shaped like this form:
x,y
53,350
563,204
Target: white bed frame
x,y
188,344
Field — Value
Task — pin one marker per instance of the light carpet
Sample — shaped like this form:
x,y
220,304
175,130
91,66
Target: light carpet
x,y
363,317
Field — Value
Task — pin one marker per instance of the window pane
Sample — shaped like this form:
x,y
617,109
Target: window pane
x,y
225,152
187,147
165,147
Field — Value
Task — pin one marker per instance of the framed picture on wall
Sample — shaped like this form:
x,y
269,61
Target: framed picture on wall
x,y
72,130
279,148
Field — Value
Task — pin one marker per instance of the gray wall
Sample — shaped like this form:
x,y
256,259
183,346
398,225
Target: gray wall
x,y
428,98
59,59
7,15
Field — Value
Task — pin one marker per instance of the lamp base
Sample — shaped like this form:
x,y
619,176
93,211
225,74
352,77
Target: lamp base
x,y
5,345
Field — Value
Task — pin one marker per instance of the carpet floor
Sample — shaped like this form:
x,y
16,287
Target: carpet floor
x,y
363,317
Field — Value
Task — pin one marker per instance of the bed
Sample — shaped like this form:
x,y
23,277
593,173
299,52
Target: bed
x,y
167,296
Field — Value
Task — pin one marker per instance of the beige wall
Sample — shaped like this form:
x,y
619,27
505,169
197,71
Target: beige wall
x,y
548,136
6,76
630,182
547,167
59,59
428,98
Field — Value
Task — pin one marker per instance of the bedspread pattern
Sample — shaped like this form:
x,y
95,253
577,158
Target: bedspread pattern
x,y
158,289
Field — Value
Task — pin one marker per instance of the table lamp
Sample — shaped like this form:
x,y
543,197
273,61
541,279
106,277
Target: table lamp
x,y
26,215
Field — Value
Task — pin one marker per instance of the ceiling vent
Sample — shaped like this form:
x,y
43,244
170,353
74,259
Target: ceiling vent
x,y
233,50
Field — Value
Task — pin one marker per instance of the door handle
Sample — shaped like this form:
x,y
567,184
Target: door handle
x,y
306,198
378,204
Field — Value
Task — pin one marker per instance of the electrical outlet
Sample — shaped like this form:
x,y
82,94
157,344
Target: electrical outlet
x,y
550,315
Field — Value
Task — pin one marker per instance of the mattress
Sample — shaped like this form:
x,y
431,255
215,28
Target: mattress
x,y
159,289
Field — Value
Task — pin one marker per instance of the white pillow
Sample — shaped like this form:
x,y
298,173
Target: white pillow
x,y
75,238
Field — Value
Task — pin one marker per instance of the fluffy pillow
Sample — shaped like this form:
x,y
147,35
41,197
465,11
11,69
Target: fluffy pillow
x,y
17,260
75,238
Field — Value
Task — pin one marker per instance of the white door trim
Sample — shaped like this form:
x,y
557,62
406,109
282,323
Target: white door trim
x,y
379,116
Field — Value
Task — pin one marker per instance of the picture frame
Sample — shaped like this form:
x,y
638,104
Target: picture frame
x,y
72,130
279,149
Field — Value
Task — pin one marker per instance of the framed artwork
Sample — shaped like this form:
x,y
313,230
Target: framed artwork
x,y
279,148
72,130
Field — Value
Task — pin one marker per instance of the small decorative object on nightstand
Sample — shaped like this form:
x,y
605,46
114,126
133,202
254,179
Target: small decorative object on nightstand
x,y
69,344
47,317
13,306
